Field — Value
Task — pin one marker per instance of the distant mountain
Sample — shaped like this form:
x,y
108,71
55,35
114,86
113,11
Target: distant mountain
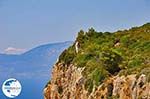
x,y
31,68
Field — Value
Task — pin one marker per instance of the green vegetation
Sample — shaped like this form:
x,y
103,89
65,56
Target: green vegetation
x,y
67,56
105,54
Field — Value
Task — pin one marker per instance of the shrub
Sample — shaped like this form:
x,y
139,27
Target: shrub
x,y
135,62
82,59
67,56
89,85
111,61
98,75
95,74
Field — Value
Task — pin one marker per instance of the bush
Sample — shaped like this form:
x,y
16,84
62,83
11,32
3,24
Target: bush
x,y
67,56
95,74
98,75
135,62
89,85
111,61
82,59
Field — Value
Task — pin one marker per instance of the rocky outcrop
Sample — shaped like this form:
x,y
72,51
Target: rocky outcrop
x,y
103,65
68,83
77,47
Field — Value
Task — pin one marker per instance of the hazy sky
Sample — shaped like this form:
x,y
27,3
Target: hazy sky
x,y
25,24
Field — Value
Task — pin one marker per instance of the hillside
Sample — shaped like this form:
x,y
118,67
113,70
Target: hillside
x,y
104,66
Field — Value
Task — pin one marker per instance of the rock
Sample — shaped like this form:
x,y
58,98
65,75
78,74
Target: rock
x,y
72,85
77,47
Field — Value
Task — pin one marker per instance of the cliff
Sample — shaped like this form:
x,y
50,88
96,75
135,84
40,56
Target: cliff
x,y
103,66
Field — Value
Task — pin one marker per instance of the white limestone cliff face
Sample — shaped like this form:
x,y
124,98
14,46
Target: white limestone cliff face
x,y
68,83
77,47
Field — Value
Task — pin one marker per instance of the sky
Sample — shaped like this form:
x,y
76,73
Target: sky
x,y
25,24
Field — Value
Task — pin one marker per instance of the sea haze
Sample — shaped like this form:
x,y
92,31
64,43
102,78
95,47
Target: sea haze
x,y
32,69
